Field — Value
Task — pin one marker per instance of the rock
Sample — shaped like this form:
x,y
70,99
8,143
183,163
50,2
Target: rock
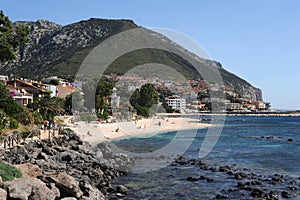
x,y
290,140
86,149
277,180
91,192
240,185
257,193
20,189
34,188
292,188
225,168
62,163
181,160
67,185
3,194
1,182
230,173
122,189
250,183
204,167
241,175
285,194
221,196
69,198
206,178
209,179
272,195
213,169
29,170
192,179
106,150
54,189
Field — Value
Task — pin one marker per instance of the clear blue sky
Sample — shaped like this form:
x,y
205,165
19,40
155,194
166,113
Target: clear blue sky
x,y
257,40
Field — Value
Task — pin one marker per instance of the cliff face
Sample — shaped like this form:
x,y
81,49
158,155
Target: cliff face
x,y
59,50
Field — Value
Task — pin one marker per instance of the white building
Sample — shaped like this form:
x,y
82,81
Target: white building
x,y
22,97
4,79
176,103
115,100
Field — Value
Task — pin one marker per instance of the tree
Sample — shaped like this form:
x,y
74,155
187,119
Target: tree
x,y
103,95
4,93
134,99
11,37
148,96
74,101
100,96
48,107
7,103
9,107
142,100
268,105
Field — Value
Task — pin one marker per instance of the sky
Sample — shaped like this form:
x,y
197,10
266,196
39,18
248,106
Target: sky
x,y
258,40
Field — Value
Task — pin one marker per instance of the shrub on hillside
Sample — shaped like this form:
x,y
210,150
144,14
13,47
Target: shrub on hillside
x,y
37,117
13,124
4,120
25,117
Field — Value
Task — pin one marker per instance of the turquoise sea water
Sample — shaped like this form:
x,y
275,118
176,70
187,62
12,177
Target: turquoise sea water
x,y
264,145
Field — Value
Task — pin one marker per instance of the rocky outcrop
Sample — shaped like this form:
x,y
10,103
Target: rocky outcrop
x,y
245,183
64,167
3,194
31,188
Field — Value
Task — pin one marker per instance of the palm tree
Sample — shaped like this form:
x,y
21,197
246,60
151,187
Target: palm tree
x,y
48,107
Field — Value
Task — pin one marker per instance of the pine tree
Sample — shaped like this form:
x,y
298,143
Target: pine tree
x,y
11,37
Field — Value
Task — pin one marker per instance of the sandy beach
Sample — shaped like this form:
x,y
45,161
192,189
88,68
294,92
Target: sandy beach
x,y
95,132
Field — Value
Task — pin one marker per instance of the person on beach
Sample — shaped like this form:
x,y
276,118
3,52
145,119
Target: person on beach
x,y
46,122
53,125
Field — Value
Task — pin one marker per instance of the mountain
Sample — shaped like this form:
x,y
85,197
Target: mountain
x,y
59,50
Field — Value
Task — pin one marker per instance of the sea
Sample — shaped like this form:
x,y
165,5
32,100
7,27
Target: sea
x,y
264,146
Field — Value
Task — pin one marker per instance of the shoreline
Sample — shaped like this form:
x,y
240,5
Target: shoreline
x,y
96,132
258,114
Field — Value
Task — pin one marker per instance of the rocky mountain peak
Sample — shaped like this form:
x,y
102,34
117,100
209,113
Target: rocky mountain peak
x,y
56,50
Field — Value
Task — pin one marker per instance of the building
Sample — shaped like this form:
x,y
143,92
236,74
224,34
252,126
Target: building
x,y
3,79
22,97
64,90
259,105
53,90
234,106
176,103
30,87
115,100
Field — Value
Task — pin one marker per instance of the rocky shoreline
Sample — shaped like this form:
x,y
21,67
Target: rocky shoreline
x,y
66,168
244,183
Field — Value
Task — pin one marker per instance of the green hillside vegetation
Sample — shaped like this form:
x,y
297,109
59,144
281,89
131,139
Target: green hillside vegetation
x,y
144,56
68,68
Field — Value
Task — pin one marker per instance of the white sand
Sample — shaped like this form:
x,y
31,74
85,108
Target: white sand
x,y
95,132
